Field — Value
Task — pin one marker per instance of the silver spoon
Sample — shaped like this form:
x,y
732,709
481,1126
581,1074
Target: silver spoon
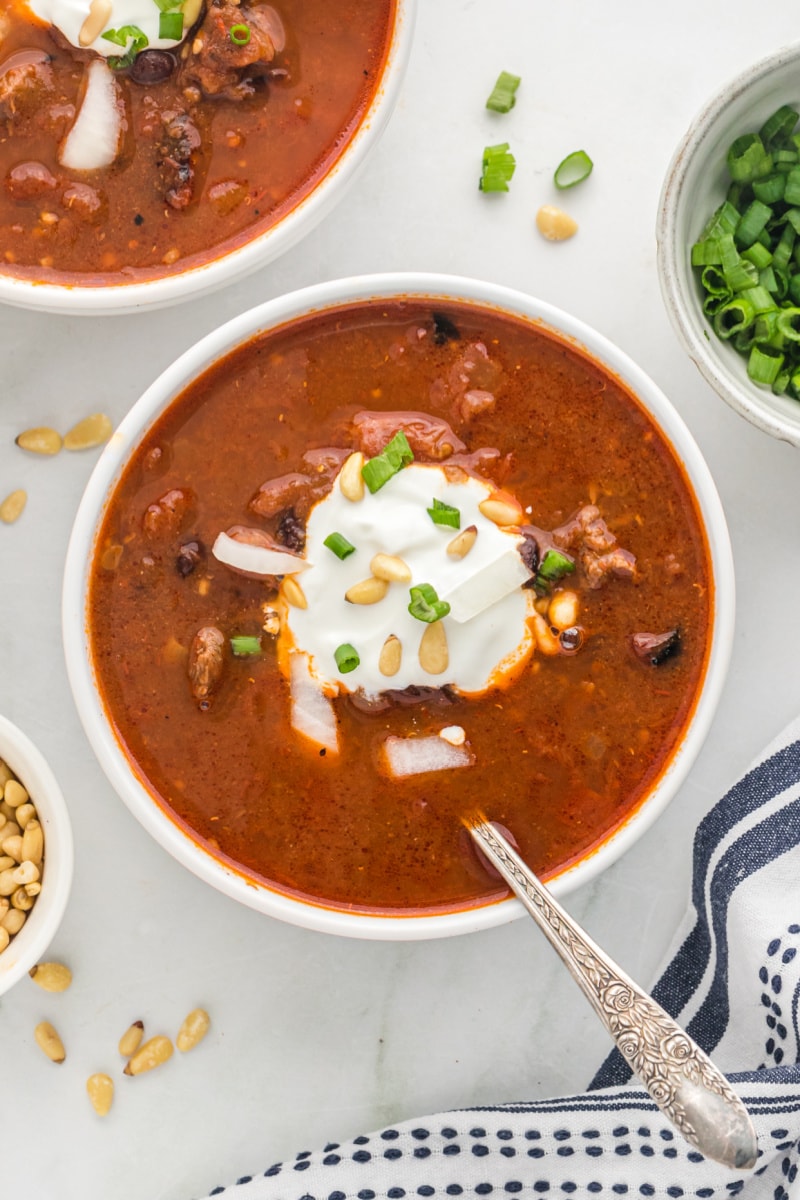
x,y
687,1087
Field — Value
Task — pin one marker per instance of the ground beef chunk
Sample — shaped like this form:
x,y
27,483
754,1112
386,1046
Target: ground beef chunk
x,y
429,437
217,64
26,80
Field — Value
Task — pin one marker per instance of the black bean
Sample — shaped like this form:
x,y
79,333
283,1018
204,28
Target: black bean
x,y
291,531
655,648
190,555
444,330
152,66
528,551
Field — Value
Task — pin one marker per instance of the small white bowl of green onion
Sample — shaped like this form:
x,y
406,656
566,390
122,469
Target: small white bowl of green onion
x,y
728,235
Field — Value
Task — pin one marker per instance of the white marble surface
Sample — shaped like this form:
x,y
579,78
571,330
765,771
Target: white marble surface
x,y
315,1038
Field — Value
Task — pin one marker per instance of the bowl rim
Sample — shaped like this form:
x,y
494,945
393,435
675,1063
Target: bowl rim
x,y
29,764
670,249
115,299
193,362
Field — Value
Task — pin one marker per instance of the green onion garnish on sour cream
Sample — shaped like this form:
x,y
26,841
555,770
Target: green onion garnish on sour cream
x,y
346,658
445,514
339,545
395,455
425,604
170,26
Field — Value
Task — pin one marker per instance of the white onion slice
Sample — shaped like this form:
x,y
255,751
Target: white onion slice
x,y
257,560
95,137
312,711
415,755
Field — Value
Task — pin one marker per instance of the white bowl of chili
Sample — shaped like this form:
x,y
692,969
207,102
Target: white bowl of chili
x,y
344,801
201,159
737,318
30,912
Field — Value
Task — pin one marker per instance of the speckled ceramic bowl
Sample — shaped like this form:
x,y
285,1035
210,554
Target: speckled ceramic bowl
x,y
695,185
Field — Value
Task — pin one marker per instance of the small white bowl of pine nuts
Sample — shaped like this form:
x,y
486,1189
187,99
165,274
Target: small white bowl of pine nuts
x,y
36,855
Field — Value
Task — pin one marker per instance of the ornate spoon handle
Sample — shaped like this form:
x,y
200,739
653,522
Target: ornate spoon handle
x,y
679,1076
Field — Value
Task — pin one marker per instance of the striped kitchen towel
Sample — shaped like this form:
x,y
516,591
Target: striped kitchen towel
x,y
732,980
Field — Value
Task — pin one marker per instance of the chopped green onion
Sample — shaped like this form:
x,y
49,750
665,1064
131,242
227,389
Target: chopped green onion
x,y
339,544
445,514
347,658
170,26
748,255
245,647
554,566
748,160
779,126
240,36
395,455
573,169
121,37
503,99
764,364
499,165
425,604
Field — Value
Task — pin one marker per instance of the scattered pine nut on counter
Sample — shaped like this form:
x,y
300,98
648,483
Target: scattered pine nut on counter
x,y
554,224
12,507
193,1030
52,976
131,1039
152,1054
49,1042
100,1089
91,431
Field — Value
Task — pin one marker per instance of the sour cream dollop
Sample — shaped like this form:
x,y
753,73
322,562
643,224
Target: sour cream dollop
x,y
70,16
484,650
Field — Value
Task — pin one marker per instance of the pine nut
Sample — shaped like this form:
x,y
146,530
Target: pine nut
x,y
21,900
52,976
100,1089
95,23
367,591
454,734
12,847
91,431
48,1040
391,568
433,655
131,1039
5,937
563,610
41,440
501,509
13,920
193,1030
152,1054
6,861
351,481
33,842
463,542
33,889
11,829
554,224
391,656
12,507
14,793
293,594
546,640
25,813
5,773
26,872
